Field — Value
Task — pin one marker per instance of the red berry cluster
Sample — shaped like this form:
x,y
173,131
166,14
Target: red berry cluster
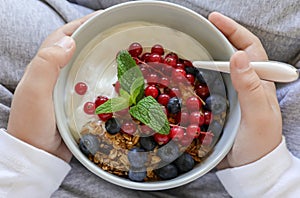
x,y
168,76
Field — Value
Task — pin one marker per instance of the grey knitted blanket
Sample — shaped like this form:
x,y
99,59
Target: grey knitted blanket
x,y
25,24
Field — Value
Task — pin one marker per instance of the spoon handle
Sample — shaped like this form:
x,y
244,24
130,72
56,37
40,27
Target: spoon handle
x,y
267,70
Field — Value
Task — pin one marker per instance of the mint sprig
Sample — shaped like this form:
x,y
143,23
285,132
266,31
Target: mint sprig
x,y
137,90
147,110
113,105
125,63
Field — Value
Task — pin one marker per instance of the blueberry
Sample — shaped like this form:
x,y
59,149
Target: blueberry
x,y
209,76
191,70
200,77
167,172
89,144
112,126
137,176
137,157
216,127
169,152
148,143
216,103
218,87
184,163
174,105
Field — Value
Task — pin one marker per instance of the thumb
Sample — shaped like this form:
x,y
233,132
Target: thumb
x,y
42,73
248,85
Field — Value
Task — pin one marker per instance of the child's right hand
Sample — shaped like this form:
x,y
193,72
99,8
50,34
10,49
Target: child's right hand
x,y
260,129
32,117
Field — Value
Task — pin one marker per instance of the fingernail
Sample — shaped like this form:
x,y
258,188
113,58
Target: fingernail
x,y
66,43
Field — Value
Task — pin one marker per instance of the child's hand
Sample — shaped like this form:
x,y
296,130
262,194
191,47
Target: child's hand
x,y
32,117
261,124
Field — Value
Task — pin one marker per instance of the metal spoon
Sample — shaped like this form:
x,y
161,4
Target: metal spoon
x,y
268,70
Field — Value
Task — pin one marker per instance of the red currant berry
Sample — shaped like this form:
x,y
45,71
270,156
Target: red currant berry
x,y
161,139
157,49
123,113
164,81
105,116
176,133
184,119
145,57
193,103
146,130
196,118
170,61
187,63
202,91
190,78
154,58
129,127
163,99
135,49
152,79
156,66
206,138
117,87
167,70
179,66
178,75
172,55
100,100
173,92
186,140
151,90
144,70
89,108
81,88
207,117
193,130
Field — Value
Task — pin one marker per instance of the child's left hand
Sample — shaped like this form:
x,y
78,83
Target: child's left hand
x,y
260,127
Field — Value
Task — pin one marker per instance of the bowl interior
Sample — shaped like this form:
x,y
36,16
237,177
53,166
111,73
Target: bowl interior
x,y
99,40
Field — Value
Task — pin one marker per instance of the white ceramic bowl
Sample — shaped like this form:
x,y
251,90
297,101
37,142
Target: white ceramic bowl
x,y
99,39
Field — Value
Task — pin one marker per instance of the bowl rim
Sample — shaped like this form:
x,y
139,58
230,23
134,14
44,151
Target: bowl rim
x,y
73,147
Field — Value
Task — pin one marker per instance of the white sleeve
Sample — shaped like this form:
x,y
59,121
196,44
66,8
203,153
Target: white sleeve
x,y
275,175
26,170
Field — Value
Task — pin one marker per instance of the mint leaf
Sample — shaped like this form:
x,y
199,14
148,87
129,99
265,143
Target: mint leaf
x,y
149,112
129,77
137,90
113,105
125,62
128,73
124,93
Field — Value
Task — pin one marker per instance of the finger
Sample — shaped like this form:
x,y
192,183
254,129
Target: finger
x,y
239,36
42,73
251,94
246,81
259,112
67,30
